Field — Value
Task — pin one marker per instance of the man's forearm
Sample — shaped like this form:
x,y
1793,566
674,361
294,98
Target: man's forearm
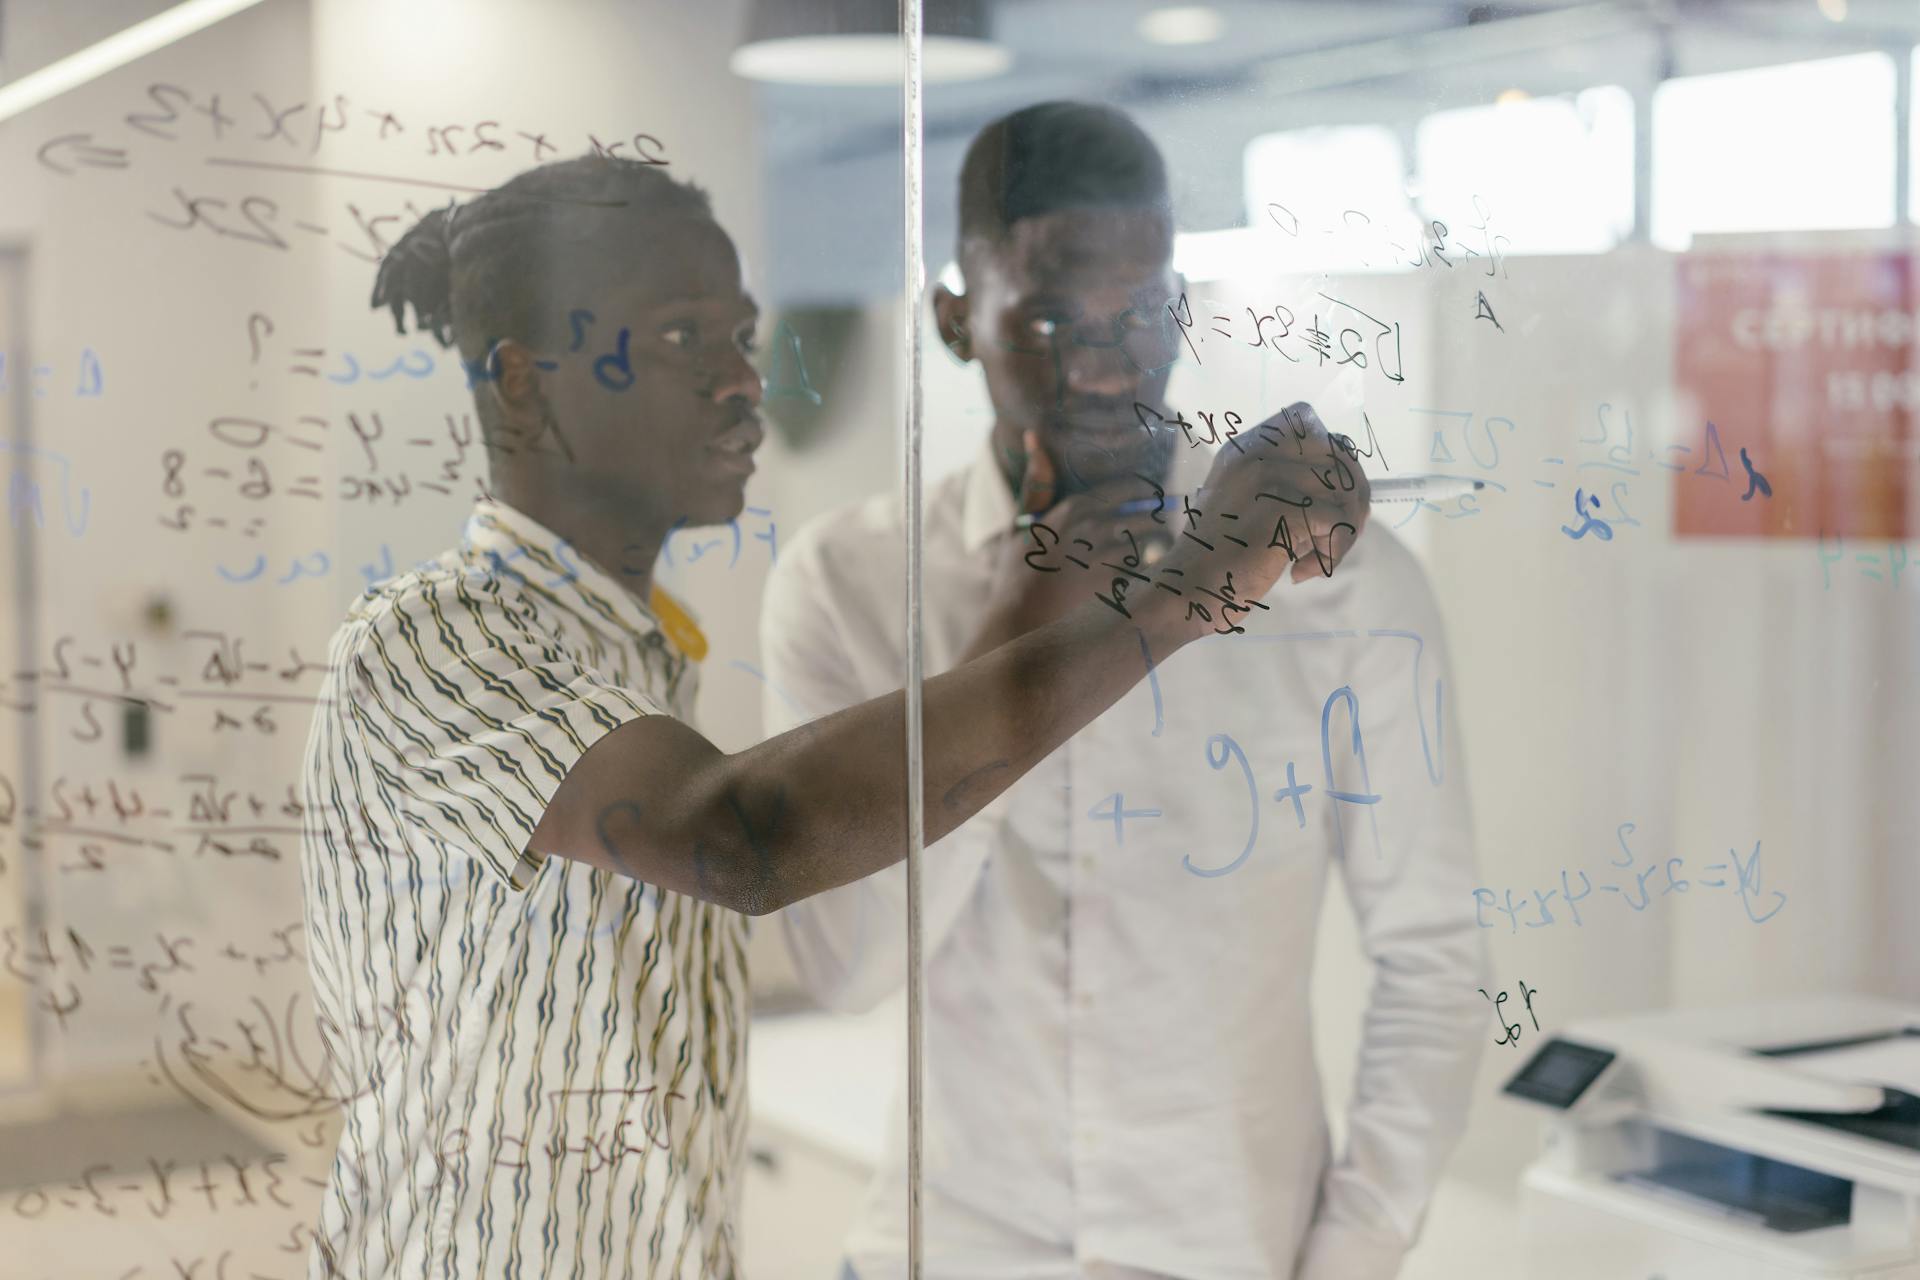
x,y
838,785
826,804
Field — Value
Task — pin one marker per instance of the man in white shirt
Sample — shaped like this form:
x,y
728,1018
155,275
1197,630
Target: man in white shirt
x,y
1121,1076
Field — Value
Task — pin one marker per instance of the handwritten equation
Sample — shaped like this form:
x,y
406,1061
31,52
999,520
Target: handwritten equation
x,y
1387,241
1740,877
265,134
62,967
1600,473
84,378
1510,1031
1219,603
1330,330
28,490
102,821
238,692
1340,738
247,465
1885,564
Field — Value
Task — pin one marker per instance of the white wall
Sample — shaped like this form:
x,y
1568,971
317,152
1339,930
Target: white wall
x,y
166,313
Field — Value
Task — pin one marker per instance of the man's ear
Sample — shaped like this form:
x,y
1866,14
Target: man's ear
x,y
950,313
513,378
1179,292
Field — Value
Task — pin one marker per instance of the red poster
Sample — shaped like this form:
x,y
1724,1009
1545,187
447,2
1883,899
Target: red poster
x,y
1806,361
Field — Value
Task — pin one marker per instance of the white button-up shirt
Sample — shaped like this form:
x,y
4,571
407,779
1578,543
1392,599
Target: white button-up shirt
x,y
1121,1075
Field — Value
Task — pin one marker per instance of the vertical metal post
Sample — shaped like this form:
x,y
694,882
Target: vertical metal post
x,y
18,458
913,298
1663,66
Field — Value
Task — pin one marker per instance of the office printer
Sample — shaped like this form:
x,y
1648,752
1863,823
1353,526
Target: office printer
x,y
1768,1142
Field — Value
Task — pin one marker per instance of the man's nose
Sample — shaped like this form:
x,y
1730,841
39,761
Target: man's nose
x,y
1099,368
736,378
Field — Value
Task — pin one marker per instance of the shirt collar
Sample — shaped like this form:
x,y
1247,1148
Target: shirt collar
x,y
988,506
508,540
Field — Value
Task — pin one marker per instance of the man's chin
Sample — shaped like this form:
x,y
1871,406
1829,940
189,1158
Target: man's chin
x,y
715,506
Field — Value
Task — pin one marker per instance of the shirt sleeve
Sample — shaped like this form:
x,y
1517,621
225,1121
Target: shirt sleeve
x,y
1407,862
849,945
472,714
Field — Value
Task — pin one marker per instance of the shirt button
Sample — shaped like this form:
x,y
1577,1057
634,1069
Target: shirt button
x,y
1084,1000
1087,863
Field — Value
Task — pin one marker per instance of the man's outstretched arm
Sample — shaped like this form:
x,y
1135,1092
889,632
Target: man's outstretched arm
x,y
824,804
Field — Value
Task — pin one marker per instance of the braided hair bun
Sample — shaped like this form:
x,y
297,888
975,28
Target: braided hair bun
x,y
418,271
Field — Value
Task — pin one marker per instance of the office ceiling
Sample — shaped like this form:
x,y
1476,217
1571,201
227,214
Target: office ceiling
x,y
34,33
831,155
1094,47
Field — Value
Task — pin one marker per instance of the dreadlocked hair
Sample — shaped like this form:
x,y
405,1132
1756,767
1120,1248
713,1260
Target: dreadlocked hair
x,y
513,262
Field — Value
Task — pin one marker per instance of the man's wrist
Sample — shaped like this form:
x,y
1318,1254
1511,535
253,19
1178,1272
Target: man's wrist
x,y
1166,623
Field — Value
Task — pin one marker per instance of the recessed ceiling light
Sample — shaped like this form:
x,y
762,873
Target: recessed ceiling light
x,y
866,60
1511,97
1832,10
857,42
1183,24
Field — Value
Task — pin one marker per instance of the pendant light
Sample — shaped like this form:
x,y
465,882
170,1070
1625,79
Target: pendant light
x,y
857,42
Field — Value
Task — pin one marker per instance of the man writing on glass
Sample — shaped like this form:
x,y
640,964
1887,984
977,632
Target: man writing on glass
x,y
526,874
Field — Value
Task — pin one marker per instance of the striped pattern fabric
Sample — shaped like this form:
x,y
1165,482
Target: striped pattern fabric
x,y
542,1065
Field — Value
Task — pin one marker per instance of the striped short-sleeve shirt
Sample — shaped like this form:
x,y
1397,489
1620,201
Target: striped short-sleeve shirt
x,y
542,1065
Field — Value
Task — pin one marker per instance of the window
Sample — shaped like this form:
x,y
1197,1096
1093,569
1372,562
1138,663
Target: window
x,y
1329,199
1806,145
1555,174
